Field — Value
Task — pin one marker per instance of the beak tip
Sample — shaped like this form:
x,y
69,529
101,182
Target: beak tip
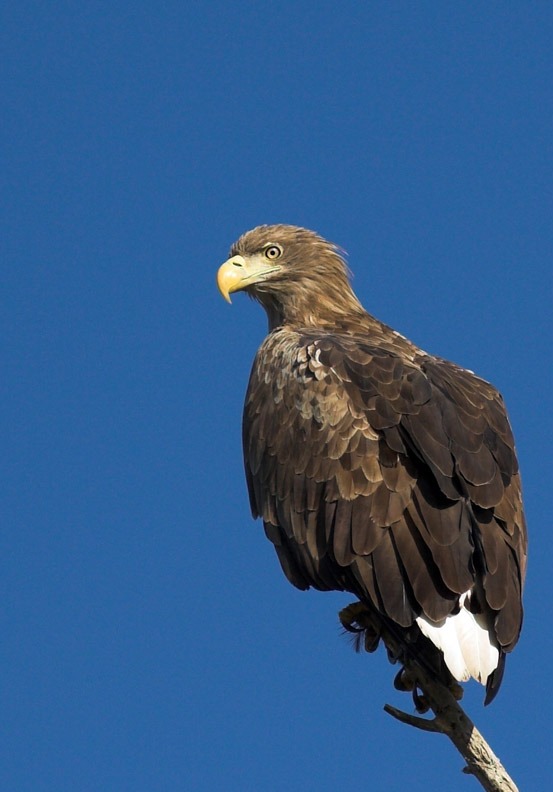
x,y
230,276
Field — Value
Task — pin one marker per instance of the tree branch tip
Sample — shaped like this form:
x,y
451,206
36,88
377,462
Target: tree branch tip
x,y
413,720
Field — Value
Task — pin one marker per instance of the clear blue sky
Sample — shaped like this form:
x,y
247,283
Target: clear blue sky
x,y
148,638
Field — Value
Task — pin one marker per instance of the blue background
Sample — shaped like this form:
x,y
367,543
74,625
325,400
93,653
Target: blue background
x,y
148,638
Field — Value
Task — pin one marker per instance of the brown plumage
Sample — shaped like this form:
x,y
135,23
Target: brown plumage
x,y
376,468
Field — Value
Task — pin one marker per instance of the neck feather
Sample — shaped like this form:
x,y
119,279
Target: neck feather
x,y
313,304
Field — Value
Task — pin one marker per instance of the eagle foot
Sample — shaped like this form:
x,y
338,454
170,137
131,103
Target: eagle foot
x,y
367,630
356,620
405,681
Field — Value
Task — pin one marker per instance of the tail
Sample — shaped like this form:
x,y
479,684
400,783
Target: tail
x,y
468,643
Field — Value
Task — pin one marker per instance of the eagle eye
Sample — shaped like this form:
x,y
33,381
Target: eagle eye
x,y
273,252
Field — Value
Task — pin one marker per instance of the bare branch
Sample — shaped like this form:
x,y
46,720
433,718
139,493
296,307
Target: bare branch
x,y
425,724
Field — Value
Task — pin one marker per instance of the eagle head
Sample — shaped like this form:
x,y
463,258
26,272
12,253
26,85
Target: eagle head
x,y
298,277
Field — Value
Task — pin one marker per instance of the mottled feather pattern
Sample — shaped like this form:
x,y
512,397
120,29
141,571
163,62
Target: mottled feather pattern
x,y
318,414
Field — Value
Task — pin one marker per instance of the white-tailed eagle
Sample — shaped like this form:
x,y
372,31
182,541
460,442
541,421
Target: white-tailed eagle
x,y
377,468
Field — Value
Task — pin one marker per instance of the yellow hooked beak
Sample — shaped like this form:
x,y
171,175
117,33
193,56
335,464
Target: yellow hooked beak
x,y
238,273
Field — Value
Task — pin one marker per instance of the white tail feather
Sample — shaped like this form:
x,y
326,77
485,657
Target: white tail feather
x,y
469,649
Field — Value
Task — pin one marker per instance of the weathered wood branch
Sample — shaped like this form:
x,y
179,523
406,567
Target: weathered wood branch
x,y
449,717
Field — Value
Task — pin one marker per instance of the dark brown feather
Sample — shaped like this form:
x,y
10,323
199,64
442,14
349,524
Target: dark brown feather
x,y
392,583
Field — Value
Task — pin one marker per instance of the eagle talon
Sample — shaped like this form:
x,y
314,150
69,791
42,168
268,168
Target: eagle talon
x,y
403,681
420,701
394,654
356,619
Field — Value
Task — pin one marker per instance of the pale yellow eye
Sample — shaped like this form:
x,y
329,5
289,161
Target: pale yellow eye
x,y
273,252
